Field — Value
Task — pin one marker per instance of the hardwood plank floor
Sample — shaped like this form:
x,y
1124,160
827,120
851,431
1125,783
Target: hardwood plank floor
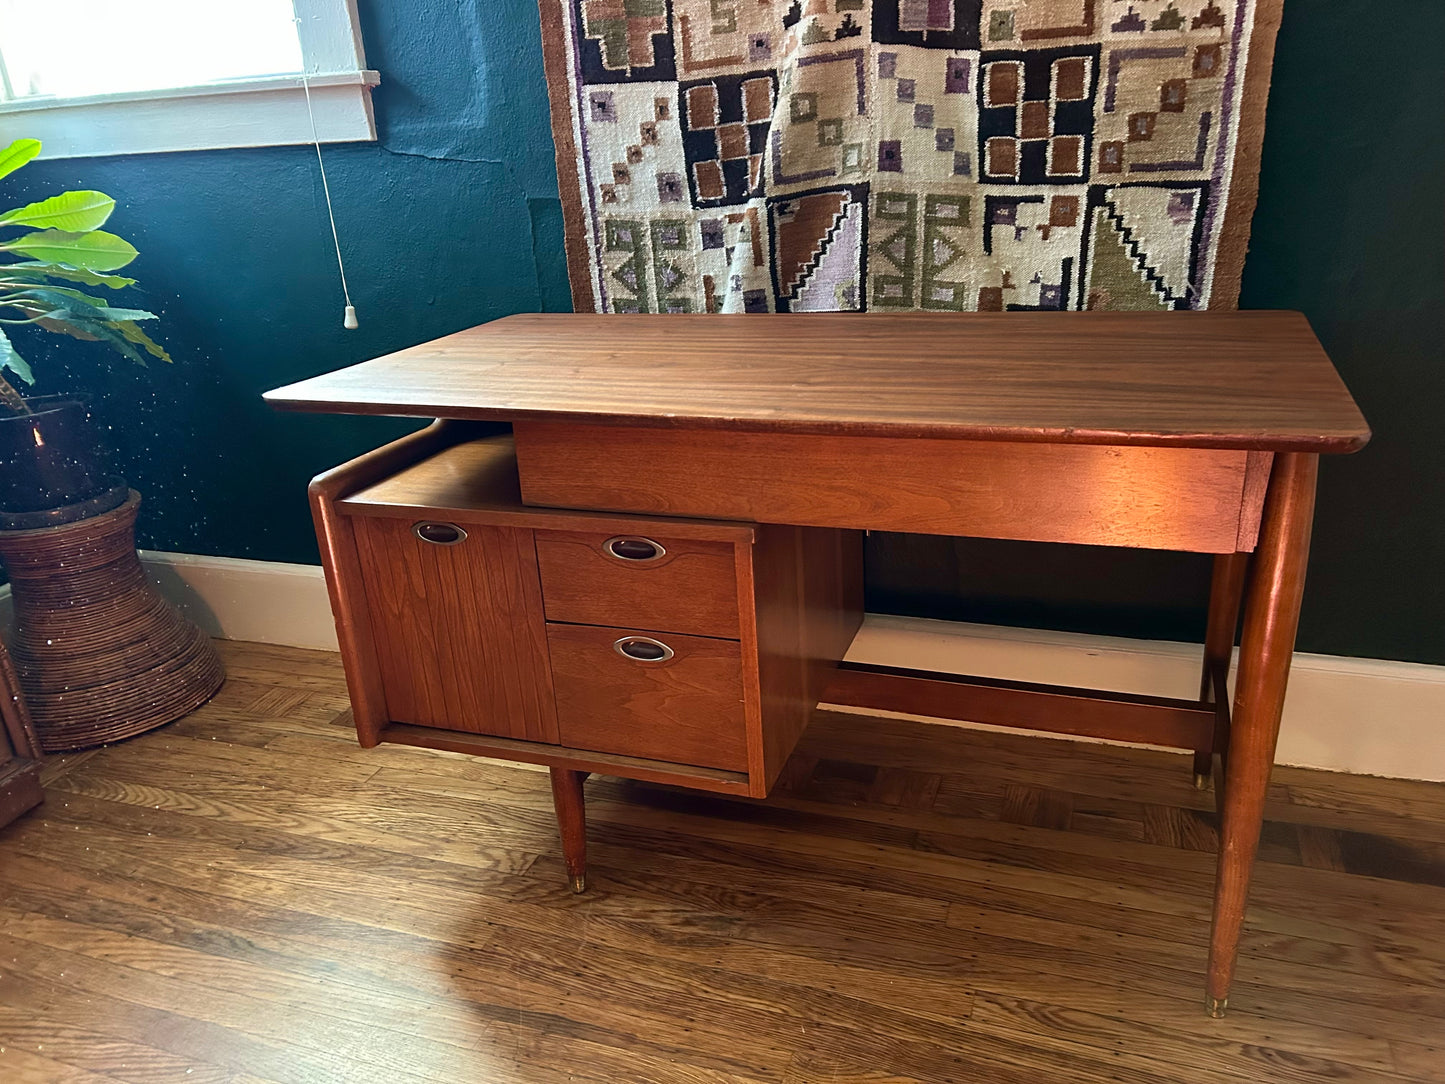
x,y
246,896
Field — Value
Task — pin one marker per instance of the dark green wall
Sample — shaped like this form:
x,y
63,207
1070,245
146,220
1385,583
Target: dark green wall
x,y
451,219
1350,230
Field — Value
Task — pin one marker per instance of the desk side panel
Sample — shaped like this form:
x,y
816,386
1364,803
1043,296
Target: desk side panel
x,y
1153,498
808,585
339,558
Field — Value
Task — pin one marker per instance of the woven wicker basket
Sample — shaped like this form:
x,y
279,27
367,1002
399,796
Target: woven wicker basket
x,y
100,655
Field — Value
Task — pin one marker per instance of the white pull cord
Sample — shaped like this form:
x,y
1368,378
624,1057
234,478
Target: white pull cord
x,y
348,319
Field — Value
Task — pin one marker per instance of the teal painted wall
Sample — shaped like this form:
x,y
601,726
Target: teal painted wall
x,y
451,219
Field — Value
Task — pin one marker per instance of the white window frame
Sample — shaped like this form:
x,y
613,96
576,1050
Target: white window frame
x,y
263,112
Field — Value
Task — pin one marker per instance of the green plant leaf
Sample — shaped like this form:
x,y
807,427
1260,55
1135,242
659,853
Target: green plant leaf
x,y
84,327
127,316
118,334
78,212
92,308
111,334
40,272
17,154
59,296
9,359
140,338
94,251
58,321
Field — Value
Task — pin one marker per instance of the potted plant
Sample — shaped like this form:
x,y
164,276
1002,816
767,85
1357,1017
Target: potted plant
x,y
100,655
48,454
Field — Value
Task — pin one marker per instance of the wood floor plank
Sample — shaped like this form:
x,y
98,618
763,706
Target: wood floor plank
x,y
367,913
658,862
53,767
248,897
812,1020
297,819
416,1030
920,962
1420,1061
1049,971
32,1028
1065,1029
289,1047
725,940
1113,860
543,1054
31,1067
399,987
370,888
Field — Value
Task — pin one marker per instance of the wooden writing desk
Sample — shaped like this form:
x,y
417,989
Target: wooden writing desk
x,y
657,573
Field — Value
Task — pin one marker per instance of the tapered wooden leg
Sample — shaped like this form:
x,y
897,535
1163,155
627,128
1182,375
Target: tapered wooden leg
x,y
572,822
1271,618
1226,590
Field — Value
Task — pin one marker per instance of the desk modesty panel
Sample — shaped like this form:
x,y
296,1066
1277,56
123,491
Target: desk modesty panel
x,y
1205,500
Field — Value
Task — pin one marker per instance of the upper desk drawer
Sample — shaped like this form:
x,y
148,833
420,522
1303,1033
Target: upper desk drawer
x,y
641,580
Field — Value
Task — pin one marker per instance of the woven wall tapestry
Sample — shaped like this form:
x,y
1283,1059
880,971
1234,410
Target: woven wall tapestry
x,y
946,155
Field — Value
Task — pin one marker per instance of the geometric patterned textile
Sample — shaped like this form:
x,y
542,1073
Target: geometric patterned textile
x,y
934,155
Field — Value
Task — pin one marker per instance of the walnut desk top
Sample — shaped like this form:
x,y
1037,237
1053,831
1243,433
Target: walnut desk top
x,y
1244,380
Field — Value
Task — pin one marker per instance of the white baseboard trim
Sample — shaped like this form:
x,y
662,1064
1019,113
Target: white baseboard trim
x,y
1365,716
268,602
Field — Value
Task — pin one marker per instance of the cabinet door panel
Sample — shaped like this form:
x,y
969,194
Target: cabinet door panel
x,y
458,627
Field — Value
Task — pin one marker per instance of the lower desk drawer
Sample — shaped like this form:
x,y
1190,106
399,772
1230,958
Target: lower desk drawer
x,y
675,698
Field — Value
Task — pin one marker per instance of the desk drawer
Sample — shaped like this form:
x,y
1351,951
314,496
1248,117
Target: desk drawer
x,y
685,705
641,581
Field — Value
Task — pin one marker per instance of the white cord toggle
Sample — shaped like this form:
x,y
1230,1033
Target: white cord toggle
x,y
348,319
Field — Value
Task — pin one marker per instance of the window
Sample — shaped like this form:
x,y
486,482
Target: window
x,y
89,77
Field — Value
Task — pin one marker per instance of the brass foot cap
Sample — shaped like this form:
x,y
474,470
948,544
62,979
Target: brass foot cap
x,y
579,883
1201,781
1216,1006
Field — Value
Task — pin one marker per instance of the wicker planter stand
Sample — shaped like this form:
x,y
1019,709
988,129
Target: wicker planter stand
x,y
100,655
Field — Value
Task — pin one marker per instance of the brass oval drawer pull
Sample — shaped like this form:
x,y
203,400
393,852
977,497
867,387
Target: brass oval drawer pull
x,y
439,534
634,549
642,649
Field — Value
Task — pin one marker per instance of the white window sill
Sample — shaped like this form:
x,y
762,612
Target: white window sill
x,y
247,113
